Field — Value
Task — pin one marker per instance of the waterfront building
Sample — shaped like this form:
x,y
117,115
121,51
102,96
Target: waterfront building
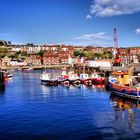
x,y
36,60
6,61
63,57
51,58
102,63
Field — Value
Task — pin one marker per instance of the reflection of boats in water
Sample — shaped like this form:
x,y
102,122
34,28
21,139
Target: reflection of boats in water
x,y
124,109
124,103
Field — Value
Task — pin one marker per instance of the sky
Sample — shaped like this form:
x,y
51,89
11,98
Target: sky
x,y
70,22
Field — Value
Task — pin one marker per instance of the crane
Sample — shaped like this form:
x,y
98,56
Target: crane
x,y
117,60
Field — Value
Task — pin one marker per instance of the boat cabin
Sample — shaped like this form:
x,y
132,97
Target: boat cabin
x,y
73,76
45,76
84,76
123,78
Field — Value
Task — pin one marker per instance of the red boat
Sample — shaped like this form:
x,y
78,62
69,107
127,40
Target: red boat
x,y
97,78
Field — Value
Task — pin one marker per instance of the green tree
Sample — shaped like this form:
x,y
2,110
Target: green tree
x,y
97,55
76,53
41,53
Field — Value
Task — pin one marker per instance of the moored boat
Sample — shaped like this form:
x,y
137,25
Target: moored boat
x,y
62,80
122,84
97,78
85,79
47,80
74,78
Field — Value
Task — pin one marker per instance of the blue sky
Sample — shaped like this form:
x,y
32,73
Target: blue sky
x,y
73,22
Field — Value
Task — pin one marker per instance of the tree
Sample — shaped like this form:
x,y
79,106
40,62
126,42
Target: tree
x,y
76,53
41,53
24,53
97,55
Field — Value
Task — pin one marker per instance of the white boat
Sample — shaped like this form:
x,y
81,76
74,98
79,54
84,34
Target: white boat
x,y
47,80
74,78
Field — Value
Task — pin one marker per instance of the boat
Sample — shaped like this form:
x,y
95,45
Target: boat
x,y
8,75
122,84
47,80
85,79
62,80
73,78
97,78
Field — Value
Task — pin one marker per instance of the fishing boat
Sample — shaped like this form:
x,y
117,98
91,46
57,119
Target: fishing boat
x,y
74,78
85,79
62,80
122,83
97,78
47,80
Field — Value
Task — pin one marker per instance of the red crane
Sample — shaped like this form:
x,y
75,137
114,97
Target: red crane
x,y
117,60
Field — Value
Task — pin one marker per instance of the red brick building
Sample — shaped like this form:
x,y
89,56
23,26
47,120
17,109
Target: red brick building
x,y
63,56
51,58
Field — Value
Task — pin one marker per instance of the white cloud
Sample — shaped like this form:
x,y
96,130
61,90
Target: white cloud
x,y
138,31
107,8
100,35
88,17
88,43
97,39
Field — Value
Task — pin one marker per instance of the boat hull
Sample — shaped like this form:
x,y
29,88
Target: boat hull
x,y
76,81
124,91
49,82
125,95
64,81
97,81
86,81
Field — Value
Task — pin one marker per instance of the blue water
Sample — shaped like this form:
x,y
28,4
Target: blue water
x,y
29,110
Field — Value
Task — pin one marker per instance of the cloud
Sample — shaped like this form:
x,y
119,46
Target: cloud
x,y
97,39
108,8
88,17
88,43
137,31
100,35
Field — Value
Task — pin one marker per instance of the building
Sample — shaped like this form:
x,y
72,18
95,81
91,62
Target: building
x,y
6,61
63,57
51,58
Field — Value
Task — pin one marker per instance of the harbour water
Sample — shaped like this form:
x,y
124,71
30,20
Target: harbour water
x,y
29,110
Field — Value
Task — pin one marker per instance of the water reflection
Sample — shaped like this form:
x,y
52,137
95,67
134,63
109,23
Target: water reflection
x,y
124,109
2,89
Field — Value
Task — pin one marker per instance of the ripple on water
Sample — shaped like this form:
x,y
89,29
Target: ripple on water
x,y
29,110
